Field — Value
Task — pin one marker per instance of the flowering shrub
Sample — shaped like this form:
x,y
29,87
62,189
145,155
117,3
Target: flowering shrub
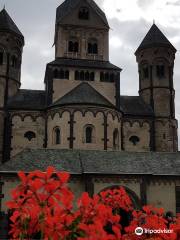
x,y
42,208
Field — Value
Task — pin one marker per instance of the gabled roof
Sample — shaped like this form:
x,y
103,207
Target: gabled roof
x,y
84,63
83,94
28,100
7,24
68,5
134,105
155,38
96,162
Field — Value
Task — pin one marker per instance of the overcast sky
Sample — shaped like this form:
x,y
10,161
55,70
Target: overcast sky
x,y
129,21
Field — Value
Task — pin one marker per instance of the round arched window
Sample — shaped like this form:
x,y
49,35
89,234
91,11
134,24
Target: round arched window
x,y
29,135
134,139
89,134
57,136
84,13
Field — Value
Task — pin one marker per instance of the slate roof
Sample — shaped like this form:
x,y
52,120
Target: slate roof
x,y
134,105
68,5
83,94
28,100
7,24
84,63
96,162
155,38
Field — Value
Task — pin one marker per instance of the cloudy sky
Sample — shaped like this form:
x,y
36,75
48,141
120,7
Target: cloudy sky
x,y
129,21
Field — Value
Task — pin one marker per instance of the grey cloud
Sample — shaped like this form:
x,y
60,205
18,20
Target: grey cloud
x,y
177,3
144,3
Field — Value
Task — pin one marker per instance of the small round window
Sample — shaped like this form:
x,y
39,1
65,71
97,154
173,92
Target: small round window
x,y
134,139
30,135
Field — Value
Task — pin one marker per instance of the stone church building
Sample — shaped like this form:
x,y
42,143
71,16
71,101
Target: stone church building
x,y
81,123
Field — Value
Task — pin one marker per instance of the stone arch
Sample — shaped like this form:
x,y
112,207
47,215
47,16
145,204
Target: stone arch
x,y
146,124
128,123
16,115
83,113
133,196
30,116
136,123
64,111
89,111
99,111
54,114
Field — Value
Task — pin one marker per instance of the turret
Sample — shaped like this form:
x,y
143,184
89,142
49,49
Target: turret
x,y
155,57
11,45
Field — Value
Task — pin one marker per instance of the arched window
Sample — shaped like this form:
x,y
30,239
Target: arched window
x,y
92,46
112,77
89,48
57,136
160,70
55,73
102,77
87,76
84,13
134,139
77,77
70,46
89,134
67,74
92,76
81,75
145,71
14,61
29,135
1,58
116,139
95,48
107,77
76,47
73,45
61,74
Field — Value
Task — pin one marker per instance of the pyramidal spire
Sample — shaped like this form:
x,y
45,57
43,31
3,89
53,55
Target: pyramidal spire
x,y
7,24
155,38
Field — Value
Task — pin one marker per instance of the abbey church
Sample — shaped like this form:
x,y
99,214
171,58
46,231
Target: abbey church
x,y
81,123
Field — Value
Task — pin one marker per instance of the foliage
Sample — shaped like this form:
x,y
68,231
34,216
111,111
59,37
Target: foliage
x,y
42,208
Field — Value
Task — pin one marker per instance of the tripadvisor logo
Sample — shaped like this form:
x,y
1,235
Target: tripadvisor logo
x,y
139,231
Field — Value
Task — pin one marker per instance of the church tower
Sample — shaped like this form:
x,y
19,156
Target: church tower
x,y
82,52
155,57
11,45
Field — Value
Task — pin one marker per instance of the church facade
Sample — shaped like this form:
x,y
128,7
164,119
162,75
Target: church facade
x,y
81,114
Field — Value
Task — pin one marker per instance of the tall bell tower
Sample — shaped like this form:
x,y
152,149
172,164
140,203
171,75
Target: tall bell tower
x,y
155,57
11,46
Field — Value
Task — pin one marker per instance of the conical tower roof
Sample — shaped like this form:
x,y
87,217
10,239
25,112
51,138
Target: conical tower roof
x,y
7,24
155,38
